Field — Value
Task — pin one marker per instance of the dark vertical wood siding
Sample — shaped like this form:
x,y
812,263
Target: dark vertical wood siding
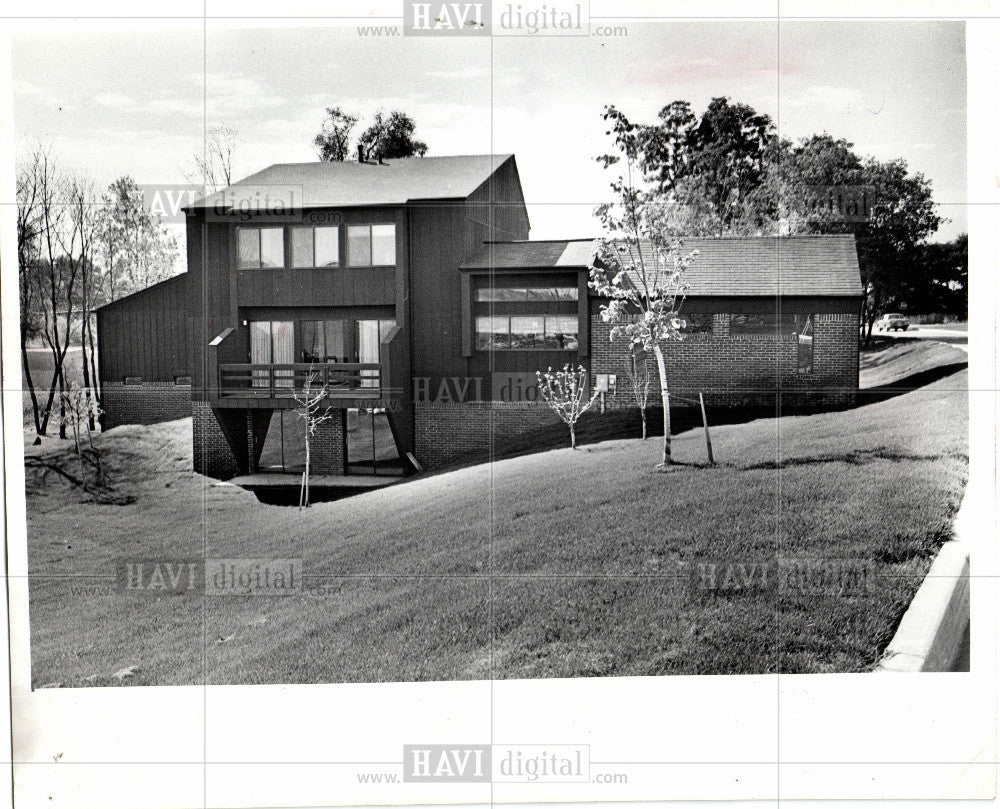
x,y
145,335
442,235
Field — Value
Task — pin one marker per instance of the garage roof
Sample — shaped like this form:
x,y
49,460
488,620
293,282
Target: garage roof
x,y
727,266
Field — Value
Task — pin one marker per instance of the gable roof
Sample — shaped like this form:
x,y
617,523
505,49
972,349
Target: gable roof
x,y
349,183
725,266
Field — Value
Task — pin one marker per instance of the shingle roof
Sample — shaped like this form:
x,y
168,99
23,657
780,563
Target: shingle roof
x,y
572,253
394,182
731,266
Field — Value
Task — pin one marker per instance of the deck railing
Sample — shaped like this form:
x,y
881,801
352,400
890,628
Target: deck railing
x,y
343,380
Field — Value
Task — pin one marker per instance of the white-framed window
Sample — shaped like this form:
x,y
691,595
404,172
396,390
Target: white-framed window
x,y
260,247
541,332
371,245
315,246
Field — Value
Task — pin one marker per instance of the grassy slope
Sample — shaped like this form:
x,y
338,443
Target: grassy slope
x,y
589,551
894,361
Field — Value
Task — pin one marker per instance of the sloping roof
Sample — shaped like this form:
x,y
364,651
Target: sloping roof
x,y
174,280
570,253
729,266
349,183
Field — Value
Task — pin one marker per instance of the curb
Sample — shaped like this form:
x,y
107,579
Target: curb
x,y
933,629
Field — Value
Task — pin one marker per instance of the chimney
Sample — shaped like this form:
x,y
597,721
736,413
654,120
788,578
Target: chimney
x,y
361,153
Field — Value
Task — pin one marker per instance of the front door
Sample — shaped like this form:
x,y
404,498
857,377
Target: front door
x,y
272,342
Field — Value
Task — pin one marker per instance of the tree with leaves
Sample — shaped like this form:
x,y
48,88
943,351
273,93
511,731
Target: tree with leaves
x,y
565,391
639,266
333,143
710,166
391,136
902,213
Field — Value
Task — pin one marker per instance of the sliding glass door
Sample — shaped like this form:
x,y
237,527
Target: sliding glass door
x,y
272,342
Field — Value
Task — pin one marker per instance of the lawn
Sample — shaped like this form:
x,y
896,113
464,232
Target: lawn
x,y
561,563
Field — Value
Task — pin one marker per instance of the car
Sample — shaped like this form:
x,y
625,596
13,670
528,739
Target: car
x,y
892,322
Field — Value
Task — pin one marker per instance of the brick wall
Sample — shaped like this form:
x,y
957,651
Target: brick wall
x,y
328,446
212,454
743,370
143,403
447,433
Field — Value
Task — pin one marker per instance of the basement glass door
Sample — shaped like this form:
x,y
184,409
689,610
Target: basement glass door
x,y
272,342
371,446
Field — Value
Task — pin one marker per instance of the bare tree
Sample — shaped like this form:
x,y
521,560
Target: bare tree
x,y
639,377
58,271
29,231
313,412
565,392
214,166
84,214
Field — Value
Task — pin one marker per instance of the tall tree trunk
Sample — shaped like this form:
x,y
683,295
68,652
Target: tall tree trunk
x,y
642,412
85,366
62,404
661,367
572,436
31,385
93,362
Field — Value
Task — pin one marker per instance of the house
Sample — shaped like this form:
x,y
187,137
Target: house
x,y
411,291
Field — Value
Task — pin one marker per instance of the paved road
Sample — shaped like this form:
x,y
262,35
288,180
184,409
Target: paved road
x,y
959,339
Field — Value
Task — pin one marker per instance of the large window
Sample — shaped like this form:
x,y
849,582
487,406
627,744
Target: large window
x,y
315,247
525,314
527,332
769,323
324,341
371,245
786,324
261,247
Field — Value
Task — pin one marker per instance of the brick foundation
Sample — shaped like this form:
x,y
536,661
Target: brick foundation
x,y
329,446
212,453
448,433
144,403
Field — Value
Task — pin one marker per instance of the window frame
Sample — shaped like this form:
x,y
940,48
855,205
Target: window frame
x,y
370,227
509,317
260,265
312,229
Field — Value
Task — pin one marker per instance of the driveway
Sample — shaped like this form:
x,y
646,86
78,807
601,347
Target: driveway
x,y
959,339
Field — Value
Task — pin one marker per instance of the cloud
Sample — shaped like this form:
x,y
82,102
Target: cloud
x,y
113,100
190,108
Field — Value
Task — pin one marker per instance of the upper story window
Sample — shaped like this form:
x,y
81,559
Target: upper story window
x,y
525,294
315,246
261,247
526,316
371,245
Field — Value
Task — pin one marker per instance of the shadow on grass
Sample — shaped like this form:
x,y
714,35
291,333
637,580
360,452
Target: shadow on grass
x,y
856,458
880,393
596,428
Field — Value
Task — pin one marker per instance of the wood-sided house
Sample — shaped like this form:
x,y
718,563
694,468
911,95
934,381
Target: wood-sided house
x,y
409,290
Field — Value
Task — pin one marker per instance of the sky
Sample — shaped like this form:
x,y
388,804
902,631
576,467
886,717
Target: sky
x,y
136,103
